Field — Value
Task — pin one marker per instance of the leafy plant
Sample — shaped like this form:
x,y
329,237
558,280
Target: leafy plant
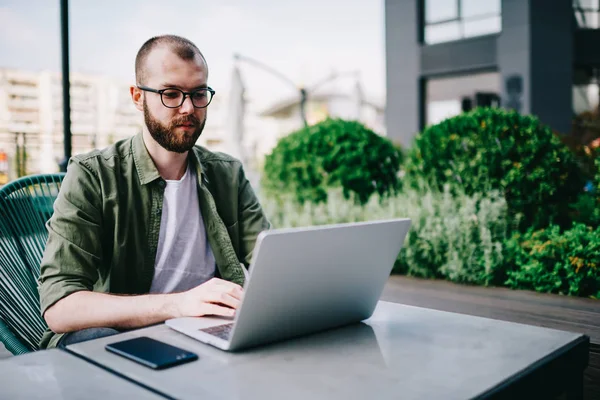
x,y
452,236
333,153
586,209
489,149
584,137
552,261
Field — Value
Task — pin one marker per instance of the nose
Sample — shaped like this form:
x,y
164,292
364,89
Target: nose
x,y
187,107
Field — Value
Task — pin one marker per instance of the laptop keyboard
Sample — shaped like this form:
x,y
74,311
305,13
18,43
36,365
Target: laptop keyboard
x,y
220,331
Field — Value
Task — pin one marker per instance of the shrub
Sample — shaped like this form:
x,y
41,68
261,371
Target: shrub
x,y
586,209
557,262
489,149
584,136
456,237
333,153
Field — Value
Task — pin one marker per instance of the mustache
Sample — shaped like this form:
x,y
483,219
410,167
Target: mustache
x,y
186,119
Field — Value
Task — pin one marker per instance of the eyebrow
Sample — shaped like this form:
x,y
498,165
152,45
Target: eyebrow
x,y
168,85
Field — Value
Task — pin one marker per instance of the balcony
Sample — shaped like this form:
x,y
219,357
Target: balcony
x,y
23,90
28,103
30,128
20,115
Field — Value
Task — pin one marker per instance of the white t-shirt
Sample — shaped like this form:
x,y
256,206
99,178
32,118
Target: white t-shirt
x,y
184,258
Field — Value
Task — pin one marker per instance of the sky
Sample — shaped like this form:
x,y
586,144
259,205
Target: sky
x,y
304,39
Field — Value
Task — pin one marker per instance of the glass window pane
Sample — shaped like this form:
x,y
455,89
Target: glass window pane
x,y
592,19
437,111
474,8
440,33
585,98
481,27
588,19
585,3
457,87
443,96
580,21
440,10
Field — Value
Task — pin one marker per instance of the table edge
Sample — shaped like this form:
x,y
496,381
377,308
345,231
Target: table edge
x,y
581,343
116,373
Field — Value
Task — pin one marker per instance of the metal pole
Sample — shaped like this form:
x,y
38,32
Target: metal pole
x,y
64,35
18,155
303,106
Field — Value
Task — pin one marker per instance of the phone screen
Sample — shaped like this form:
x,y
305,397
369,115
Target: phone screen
x,y
151,353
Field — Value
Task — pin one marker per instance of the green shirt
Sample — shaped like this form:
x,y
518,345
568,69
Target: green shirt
x,y
103,234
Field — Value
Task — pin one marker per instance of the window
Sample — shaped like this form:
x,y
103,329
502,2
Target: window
x,y
587,13
449,96
586,97
448,20
586,90
441,10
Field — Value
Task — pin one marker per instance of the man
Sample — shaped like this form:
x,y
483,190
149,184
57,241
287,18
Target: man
x,y
153,227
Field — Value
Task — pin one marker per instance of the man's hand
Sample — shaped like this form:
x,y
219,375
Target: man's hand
x,y
215,297
86,309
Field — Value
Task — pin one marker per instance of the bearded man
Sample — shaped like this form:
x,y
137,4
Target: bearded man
x,y
153,227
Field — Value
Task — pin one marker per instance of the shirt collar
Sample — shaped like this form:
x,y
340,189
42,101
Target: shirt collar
x,y
145,167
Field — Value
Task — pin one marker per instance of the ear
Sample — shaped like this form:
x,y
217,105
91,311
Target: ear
x,y
136,96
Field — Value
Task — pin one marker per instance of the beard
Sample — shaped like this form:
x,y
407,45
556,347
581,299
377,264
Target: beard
x,y
167,136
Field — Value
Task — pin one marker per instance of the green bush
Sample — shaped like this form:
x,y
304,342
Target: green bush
x,y
557,262
333,153
465,239
488,149
586,209
452,236
597,176
456,237
584,135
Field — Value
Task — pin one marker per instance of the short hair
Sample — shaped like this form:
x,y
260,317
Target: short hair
x,y
184,48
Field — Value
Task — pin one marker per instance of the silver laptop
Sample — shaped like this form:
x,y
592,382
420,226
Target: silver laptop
x,y
305,280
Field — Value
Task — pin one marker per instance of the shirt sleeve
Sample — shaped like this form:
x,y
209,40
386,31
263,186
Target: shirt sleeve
x,y
252,218
73,251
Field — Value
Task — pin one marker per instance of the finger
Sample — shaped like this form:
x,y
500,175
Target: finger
x,y
235,292
224,283
232,288
215,309
225,299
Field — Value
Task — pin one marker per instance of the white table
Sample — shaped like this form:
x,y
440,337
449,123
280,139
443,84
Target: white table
x,y
55,374
401,352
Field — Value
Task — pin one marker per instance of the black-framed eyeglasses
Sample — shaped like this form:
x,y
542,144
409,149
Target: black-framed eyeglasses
x,y
174,98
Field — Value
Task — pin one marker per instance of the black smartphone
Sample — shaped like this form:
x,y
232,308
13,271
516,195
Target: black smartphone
x,y
151,353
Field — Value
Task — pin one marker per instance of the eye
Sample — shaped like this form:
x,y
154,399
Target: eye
x,y
199,95
171,94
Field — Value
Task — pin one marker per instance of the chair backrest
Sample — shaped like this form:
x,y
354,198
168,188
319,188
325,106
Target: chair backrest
x,y
26,204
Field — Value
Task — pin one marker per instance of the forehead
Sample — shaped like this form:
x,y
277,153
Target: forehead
x,y
165,66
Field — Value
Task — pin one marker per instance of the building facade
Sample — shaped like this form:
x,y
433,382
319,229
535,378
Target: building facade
x,y
31,119
443,57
